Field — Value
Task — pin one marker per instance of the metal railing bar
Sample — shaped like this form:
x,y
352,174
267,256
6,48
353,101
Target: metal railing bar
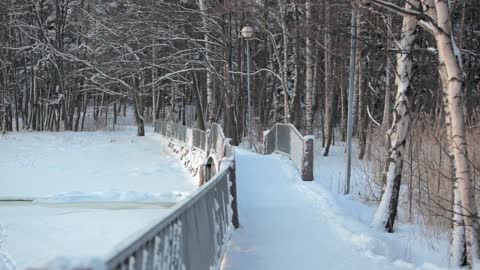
x,y
127,250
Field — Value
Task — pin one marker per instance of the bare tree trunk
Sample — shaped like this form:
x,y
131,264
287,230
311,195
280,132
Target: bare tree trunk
x,y
154,88
84,110
295,113
79,109
115,114
329,92
362,103
343,108
397,135
286,111
4,101
309,70
230,123
210,98
198,102
16,109
387,105
138,103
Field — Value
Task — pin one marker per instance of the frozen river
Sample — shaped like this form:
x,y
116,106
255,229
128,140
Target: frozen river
x,y
72,197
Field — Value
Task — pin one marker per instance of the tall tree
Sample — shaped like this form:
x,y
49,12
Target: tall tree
x,y
397,135
309,55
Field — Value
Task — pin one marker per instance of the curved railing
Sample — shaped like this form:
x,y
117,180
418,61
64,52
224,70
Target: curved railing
x,y
286,139
210,142
196,232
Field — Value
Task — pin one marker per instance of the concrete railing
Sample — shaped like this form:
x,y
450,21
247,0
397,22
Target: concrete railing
x,y
196,232
189,136
286,139
212,142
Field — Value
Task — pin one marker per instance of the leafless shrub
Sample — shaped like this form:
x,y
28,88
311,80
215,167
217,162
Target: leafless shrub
x,y
426,193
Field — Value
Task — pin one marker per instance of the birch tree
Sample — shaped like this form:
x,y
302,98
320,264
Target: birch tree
x,y
329,91
397,135
449,53
210,100
309,51
435,17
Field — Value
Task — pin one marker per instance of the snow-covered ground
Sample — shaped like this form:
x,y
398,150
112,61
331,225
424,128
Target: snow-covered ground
x,y
90,191
290,224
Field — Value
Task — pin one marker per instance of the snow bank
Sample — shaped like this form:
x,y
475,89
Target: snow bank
x,y
192,158
290,224
411,244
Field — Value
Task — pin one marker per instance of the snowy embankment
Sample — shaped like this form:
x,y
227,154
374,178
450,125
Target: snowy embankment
x,y
290,224
411,243
68,198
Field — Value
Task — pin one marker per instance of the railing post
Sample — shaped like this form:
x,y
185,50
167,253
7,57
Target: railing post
x,y
202,172
307,158
208,141
233,191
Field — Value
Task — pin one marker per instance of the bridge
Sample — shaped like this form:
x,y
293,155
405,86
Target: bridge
x,y
253,211
196,233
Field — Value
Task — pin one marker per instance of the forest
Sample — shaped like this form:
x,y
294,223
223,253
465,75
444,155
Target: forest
x,y
411,68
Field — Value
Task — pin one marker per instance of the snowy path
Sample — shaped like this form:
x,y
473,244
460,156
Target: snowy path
x,y
92,191
290,224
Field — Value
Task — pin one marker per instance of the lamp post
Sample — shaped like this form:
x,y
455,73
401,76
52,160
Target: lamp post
x,y
247,34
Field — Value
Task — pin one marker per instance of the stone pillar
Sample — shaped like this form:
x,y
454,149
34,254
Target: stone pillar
x,y
201,174
307,159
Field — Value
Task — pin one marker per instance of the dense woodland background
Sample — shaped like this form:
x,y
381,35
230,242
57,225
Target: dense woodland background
x,y
63,61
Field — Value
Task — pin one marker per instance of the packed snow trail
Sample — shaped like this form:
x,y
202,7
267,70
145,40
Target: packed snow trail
x,y
290,224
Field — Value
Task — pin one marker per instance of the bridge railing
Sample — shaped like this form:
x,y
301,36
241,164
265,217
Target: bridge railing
x,y
286,139
190,136
193,236
216,140
199,139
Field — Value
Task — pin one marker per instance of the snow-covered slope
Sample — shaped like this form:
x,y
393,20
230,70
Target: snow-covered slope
x,y
290,224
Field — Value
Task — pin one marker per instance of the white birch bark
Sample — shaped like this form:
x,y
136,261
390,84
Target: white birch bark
x,y
457,238
210,100
329,93
449,54
438,23
154,89
309,70
286,111
397,135
457,249
387,107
